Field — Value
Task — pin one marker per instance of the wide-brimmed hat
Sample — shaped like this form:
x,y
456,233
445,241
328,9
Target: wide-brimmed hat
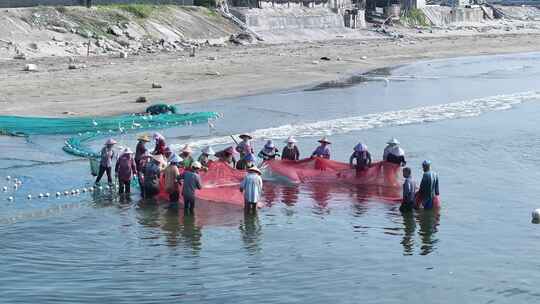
x,y
144,138
127,151
254,169
290,140
196,165
186,149
110,142
242,136
393,141
175,159
208,151
324,140
229,150
269,144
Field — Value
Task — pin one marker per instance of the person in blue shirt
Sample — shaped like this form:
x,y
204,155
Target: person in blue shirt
x,y
323,150
191,183
429,186
409,192
251,187
244,147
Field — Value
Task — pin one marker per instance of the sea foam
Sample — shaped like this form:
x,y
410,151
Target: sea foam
x,y
418,115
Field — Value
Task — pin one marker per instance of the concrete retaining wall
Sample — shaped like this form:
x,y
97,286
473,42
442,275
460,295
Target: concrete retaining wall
x,y
28,3
289,19
444,15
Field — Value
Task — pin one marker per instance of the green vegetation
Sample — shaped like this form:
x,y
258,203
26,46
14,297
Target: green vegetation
x,y
205,3
414,17
142,11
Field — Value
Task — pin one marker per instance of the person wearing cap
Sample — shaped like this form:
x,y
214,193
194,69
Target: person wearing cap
x,y
290,151
191,183
323,150
245,163
361,156
429,186
269,151
409,191
185,153
160,144
393,153
251,187
172,177
204,158
244,147
106,158
227,156
141,149
152,175
125,169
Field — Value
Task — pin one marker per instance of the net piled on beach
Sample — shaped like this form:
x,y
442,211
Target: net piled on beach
x,y
76,145
87,128
24,126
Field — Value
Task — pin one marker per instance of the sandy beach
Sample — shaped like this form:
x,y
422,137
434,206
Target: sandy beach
x,y
110,85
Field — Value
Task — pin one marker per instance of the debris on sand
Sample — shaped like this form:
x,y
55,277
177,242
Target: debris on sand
x,y
141,99
30,67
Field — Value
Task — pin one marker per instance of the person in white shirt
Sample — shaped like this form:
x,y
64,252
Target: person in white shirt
x,y
251,186
393,153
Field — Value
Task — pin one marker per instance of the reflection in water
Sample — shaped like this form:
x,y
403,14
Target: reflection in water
x,y
178,229
148,214
289,195
320,193
191,233
270,194
429,221
408,233
171,227
251,232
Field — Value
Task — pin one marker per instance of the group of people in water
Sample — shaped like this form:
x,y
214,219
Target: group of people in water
x,y
181,169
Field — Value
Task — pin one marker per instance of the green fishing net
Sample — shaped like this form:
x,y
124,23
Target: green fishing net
x,y
85,129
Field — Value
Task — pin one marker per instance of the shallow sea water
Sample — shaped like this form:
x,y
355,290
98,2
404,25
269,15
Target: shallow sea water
x,y
311,243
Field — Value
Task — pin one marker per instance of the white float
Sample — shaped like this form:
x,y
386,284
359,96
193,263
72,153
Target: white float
x,y
536,214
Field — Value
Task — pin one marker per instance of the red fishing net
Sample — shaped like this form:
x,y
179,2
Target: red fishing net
x,y
381,180
220,184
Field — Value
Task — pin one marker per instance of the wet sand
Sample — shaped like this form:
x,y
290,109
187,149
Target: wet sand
x,y
111,85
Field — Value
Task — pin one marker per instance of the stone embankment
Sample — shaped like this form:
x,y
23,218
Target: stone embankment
x,y
110,30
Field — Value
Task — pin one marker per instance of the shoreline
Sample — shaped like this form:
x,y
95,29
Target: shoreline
x,y
109,86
